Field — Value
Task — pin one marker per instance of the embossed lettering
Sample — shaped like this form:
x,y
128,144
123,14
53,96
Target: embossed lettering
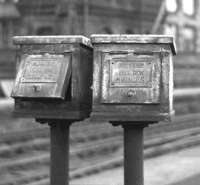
x,y
136,74
41,69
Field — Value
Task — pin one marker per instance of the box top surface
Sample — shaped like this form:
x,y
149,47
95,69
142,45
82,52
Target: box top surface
x,y
134,39
57,39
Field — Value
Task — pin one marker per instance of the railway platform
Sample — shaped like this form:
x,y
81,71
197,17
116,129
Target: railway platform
x,y
177,168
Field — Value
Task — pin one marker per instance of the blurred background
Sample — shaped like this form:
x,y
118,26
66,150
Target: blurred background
x,y
171,150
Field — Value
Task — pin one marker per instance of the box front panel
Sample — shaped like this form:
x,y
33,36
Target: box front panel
x,y
130,79
42,76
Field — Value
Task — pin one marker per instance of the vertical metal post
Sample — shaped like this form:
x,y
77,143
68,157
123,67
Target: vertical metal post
x,y
59,153
133,154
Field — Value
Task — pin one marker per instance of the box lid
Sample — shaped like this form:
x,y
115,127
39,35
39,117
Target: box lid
x,y
134,39
43,76
56,39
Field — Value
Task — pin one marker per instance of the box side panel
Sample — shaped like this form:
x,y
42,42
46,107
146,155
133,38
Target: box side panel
x,y
171,85
85,76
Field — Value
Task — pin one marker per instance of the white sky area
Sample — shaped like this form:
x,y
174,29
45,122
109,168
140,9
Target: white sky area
x,y
171,5
187,6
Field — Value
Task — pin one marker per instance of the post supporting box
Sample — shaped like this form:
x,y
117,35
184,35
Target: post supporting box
x,y
59,170
133,154
53,85
133,87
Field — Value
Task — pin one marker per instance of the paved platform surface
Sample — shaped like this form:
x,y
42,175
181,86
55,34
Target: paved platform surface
x,y
194,180
178,168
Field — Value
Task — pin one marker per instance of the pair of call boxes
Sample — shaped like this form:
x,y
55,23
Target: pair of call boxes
x,y
116,78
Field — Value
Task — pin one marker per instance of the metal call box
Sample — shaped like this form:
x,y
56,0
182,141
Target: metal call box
x,y
54,77
132,77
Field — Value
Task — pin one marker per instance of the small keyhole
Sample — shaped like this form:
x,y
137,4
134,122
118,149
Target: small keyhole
x,y
131,93
36,88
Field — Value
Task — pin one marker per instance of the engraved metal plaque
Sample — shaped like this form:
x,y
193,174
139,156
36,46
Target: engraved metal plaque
x,y
130,79
43,76
130,74
41,69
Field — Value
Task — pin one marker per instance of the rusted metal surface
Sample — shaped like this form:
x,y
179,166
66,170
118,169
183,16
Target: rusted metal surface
x,y
54,77
122,91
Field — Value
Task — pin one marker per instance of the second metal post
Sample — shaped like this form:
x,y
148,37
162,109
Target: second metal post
x,y
133,155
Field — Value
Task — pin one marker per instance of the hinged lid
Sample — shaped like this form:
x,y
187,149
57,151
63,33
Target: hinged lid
x,y
43,76
134,39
